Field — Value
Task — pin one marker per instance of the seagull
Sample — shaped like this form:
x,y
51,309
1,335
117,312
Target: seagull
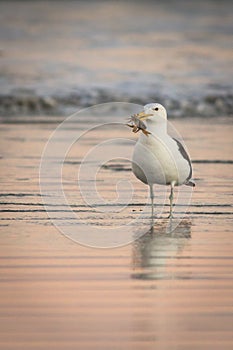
x,y
158,158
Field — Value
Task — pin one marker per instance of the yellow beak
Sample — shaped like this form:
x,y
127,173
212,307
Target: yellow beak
x,y
142,115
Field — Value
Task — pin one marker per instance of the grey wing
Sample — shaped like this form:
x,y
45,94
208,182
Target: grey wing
x,y
185,155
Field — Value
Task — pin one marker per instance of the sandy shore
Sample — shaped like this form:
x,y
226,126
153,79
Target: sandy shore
x,y
164,291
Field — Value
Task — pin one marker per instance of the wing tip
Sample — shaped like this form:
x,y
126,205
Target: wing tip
x,y
190,183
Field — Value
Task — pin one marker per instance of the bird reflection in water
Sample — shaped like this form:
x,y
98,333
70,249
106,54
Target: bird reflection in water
x,y
160,253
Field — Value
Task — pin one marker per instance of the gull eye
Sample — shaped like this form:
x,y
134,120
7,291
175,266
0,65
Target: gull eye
x,y
156,109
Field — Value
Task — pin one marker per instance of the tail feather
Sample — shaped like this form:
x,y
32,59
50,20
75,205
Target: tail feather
x,y
190,183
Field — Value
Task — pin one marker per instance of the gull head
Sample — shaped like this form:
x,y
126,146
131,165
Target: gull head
x,y
153,112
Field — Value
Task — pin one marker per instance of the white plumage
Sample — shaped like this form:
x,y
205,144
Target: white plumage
x,y
158,158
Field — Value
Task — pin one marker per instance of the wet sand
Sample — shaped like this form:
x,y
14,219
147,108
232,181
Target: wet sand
x,y
164,291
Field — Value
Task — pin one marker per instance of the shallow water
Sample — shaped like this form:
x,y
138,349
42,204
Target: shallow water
x,y
166,290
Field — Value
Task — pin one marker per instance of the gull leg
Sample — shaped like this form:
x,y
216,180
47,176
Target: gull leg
x,y
152,200
171,200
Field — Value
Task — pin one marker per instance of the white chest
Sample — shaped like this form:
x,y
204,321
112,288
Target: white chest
x,y
158,160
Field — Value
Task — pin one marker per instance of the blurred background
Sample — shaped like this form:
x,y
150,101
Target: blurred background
x,y
57,56
172,288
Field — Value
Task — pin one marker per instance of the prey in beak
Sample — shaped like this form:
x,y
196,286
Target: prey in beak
x,y
137,124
